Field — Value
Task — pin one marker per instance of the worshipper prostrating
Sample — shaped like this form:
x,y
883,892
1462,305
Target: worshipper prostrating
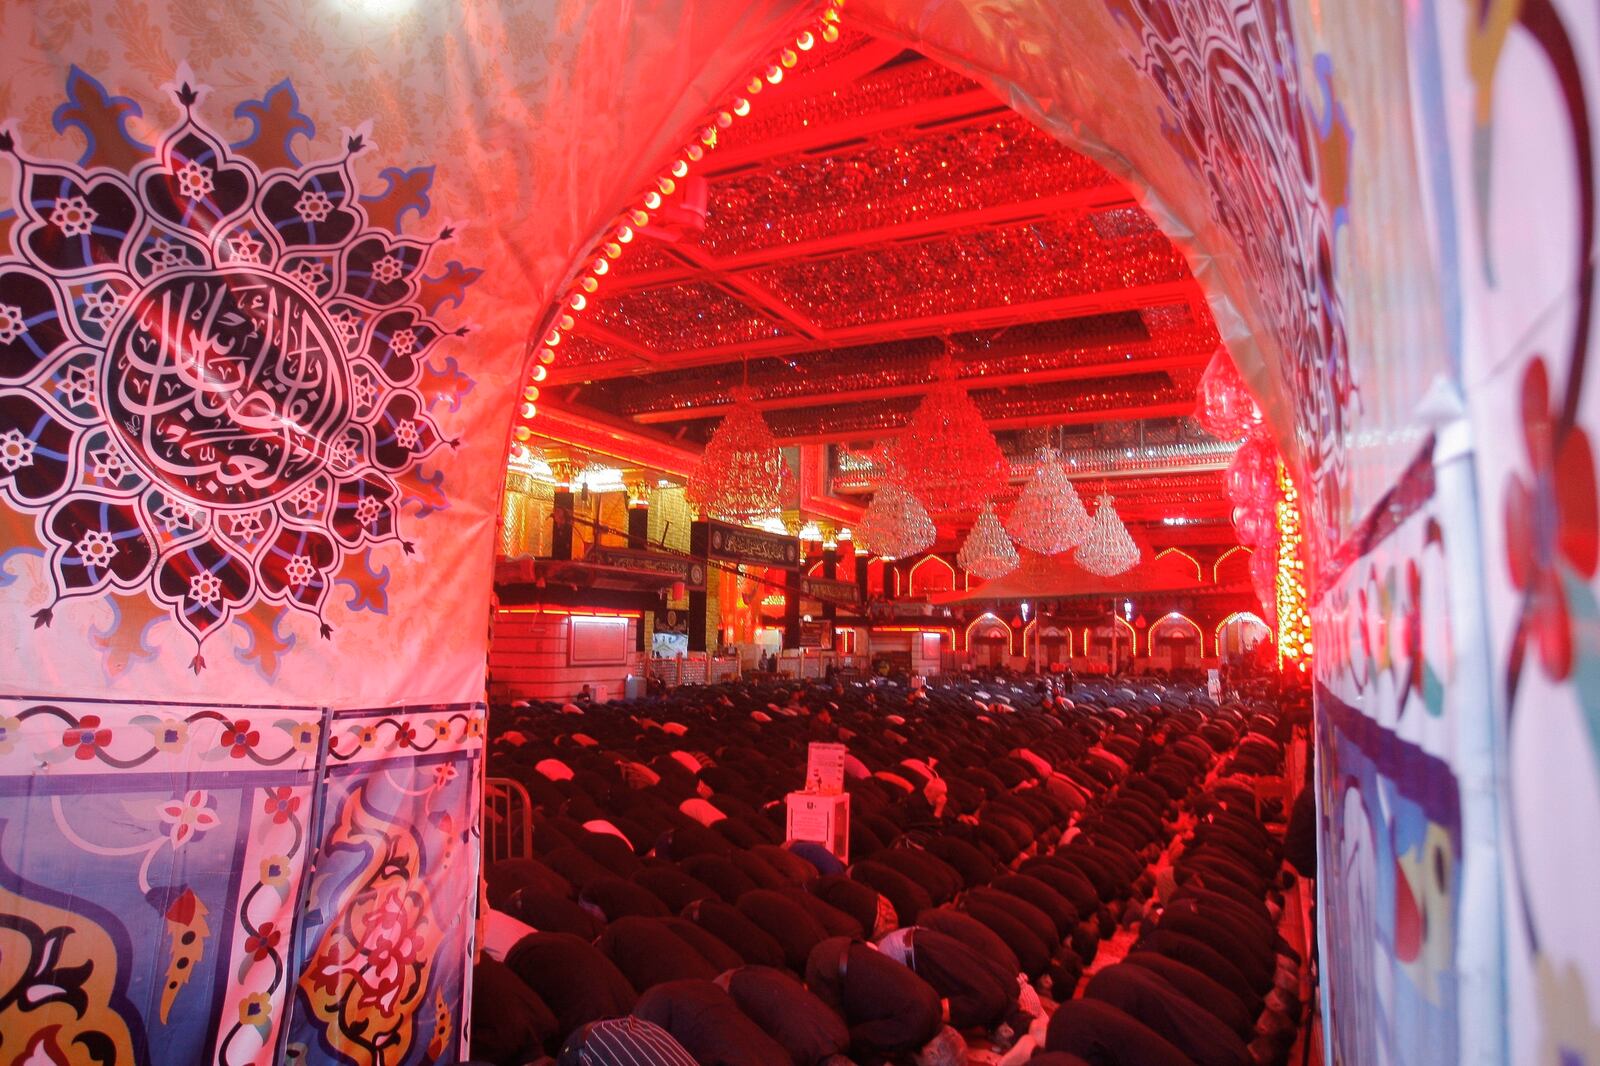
x,y
995,856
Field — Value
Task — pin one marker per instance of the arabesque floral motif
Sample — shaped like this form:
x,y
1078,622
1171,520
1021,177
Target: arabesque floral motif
x,y
10,730
281,804
263,944
365,981
87,737
238,738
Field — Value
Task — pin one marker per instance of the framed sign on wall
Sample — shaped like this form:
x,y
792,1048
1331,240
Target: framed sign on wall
x,y
598,642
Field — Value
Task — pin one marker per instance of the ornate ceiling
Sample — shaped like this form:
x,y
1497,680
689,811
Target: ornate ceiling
x,y
877,209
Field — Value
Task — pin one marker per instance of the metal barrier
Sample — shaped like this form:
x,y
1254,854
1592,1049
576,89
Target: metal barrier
x,y
695,669
724,669
507,820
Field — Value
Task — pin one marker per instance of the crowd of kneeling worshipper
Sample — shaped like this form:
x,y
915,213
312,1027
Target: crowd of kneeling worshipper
x,y
1035,875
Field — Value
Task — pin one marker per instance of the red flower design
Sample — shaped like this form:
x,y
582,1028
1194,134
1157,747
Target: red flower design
x,y
1551,519
264,943
404,735
281,804
1411,627
240,738
326,971
86,737
390,945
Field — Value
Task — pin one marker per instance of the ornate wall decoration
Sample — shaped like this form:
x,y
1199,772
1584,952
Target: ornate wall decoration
x,y
368,972
153,858
387,943
1393,697
1521,125
1225,71
1394,845
215,385
65,988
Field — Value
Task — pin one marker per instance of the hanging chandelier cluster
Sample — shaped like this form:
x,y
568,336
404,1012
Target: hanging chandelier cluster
x,y
1048,516
950,459
947,462
950,462
741,474
988,552
894,524
1108,549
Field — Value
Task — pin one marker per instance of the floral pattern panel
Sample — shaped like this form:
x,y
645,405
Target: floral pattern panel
x,y
1518,116
384,954
267,273
1392,702
151,870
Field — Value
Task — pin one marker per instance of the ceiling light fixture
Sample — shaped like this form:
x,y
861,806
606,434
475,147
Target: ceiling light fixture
x,y
950,458
895,525
987,551
1049,516
741,474
1109,549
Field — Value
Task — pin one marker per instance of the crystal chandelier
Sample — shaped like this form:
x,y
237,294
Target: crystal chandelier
x,y
1108,549
1227,410
951,460
988,552
741,474
1049,517
894,524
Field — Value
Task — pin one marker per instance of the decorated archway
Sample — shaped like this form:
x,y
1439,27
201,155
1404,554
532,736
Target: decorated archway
x,y
1175,642
1110,646
275,559
988,641
931,574
1048,646
1239,635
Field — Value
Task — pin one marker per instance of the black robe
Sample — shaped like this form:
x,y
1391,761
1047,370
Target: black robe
x,y
980,992
788,1012
706,1021
1143,994
1106,1036
649,953
575,980
888,1008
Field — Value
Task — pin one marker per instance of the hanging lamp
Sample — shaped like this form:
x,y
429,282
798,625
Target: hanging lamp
x,y
951,460
1108,549
741,474
1049,516
894,524
987,551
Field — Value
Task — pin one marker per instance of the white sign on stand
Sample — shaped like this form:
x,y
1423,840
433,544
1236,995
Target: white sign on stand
x,y
820,819
825,768
1214,684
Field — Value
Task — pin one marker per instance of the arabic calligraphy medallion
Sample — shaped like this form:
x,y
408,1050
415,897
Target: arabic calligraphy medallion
x,y
226,386
218,364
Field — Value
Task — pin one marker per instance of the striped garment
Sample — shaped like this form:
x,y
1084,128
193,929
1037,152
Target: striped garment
x,y
623,1042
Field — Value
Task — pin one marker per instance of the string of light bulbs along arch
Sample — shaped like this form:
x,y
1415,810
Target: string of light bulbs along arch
x,y
947,462
945,465
547,336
